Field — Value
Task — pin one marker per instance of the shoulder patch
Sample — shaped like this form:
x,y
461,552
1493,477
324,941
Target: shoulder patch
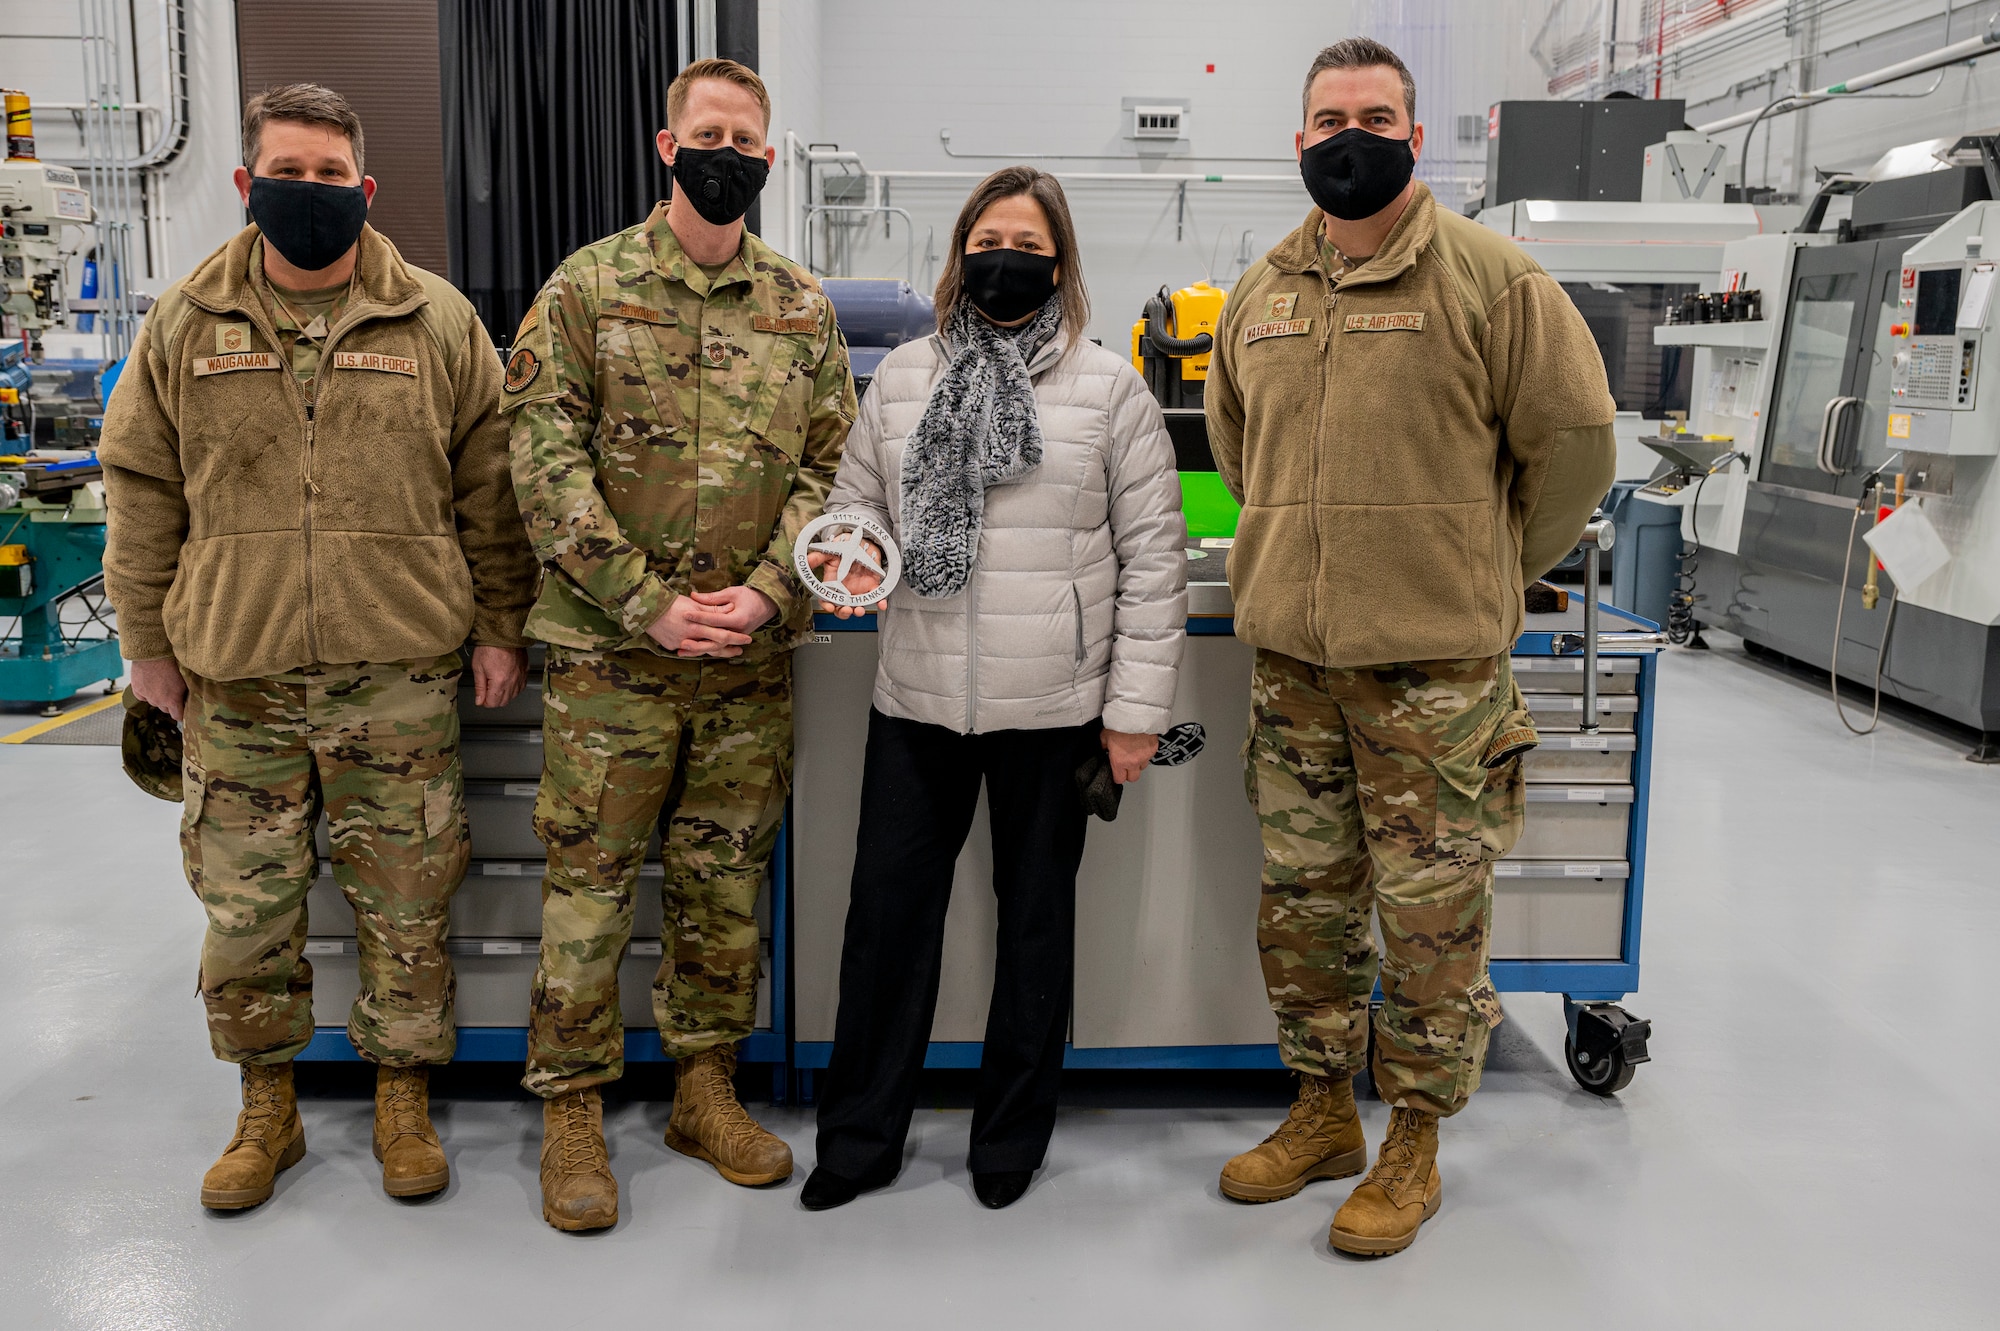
x,y
771,322
1398,321
522,367
528,324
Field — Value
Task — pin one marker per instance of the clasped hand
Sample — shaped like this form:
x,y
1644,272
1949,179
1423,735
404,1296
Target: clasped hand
x,y
712,623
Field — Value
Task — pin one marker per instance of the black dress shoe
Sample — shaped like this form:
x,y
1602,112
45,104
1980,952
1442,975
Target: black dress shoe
x,y
1003,1188
825,1190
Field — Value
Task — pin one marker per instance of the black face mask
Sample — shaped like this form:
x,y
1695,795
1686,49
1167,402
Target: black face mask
x,y
308,222
1006,285
1356,173
721,183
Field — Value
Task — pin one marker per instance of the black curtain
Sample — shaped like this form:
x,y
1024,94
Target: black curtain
x,y
550,107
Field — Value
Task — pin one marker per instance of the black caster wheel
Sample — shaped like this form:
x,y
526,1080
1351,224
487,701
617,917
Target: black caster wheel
x,y
1606,1074
1605,1046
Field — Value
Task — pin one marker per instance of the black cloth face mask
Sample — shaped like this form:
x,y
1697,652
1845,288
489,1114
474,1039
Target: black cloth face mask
x,y
1008,285
721,183
1356,173
309,222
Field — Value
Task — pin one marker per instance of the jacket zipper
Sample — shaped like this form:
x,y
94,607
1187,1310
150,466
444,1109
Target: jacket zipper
x,y
972,653
312,489
1319,428
1076,603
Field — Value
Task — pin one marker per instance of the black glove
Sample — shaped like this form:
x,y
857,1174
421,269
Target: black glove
x,y
1100,794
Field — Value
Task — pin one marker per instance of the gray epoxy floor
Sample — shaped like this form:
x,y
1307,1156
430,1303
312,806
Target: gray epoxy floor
x,y
1813,1145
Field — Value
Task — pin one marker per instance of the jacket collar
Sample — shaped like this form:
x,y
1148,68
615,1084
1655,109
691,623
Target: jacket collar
x,y
383,282
1300,251
1046,355
671,261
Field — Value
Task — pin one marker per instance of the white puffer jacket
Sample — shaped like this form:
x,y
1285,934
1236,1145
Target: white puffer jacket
x,y
1077,606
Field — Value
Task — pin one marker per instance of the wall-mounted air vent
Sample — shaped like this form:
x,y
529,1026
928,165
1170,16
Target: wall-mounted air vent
x,y
1159,122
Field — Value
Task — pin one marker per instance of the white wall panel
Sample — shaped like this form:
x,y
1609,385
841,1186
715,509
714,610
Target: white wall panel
x,y
1046,76
195,206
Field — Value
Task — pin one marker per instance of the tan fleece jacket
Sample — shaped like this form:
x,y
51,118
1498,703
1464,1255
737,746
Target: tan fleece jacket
x,y
252,531
1412,445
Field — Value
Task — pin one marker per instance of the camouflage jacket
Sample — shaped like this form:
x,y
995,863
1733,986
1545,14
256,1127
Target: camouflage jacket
x,y
671,434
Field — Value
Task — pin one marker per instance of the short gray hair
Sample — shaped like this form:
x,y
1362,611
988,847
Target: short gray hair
x,y
1359,53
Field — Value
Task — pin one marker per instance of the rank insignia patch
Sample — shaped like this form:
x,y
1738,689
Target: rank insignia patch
x,y
522,368
1282,305
232,338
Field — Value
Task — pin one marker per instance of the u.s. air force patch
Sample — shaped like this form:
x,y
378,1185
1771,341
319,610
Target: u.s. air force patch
x,y
1400,321
522,367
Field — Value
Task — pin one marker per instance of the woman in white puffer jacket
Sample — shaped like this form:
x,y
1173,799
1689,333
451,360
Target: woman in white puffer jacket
x,y
1027,476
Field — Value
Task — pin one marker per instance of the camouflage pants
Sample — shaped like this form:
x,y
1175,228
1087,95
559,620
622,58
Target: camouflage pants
x,y
1373,789
375,747
634,742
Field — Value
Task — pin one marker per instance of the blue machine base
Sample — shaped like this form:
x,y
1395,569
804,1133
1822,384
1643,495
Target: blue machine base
x,y
59,674
509,1044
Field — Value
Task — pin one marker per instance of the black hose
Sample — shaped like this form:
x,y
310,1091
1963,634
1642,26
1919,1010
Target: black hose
x,y
1680,605
1166,343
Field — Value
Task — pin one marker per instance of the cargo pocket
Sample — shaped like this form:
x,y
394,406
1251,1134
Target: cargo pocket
x,y
194,799
445,831
1504,808
1482,796
567,804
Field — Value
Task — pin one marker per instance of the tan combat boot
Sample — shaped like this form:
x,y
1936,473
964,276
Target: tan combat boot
x,y
1383,1214
413,1163
578,1191
709,1124
1320,1139
269,1138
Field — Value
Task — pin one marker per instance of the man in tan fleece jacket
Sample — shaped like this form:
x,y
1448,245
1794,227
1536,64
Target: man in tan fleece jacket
x,y
310,518
1417,424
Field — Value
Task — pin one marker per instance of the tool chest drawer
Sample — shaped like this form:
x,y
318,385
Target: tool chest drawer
x,y
1564,758
1576,823
1564,711
1564,674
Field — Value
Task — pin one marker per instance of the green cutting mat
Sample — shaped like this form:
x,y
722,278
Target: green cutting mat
x,y
1211,510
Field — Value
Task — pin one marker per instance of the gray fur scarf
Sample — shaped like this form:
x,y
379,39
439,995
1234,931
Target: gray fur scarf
x,y
978,429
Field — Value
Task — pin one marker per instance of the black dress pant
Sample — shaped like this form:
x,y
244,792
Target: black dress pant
x,y
919,789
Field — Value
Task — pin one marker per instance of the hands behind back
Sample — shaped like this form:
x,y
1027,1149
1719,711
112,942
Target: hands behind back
x,y
712,623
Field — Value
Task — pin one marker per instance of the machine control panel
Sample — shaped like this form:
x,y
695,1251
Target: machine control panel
x,y
1936,340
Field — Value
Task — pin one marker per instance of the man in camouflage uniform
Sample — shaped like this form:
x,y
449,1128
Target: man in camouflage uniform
x,y
310,517
1416,421
679,396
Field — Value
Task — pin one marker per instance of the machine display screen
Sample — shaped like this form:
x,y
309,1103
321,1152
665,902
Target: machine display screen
x,y
1937,302
1622,316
